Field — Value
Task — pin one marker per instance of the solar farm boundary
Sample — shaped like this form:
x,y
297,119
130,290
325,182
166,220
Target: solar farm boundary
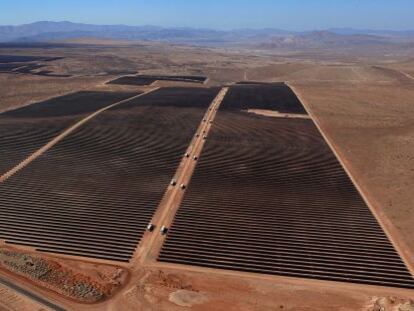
x,y
62,135
389,229
29,103
288,281
220,269
151,243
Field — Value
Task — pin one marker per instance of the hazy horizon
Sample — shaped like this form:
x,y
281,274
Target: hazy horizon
x,y
294,15
209,28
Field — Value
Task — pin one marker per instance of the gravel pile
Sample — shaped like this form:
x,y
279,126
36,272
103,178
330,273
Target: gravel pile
x,y
53,275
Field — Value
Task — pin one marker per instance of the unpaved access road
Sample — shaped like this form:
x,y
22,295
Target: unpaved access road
x,y
151,243
25,293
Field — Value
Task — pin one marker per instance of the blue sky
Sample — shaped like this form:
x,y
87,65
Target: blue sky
x,y
218,14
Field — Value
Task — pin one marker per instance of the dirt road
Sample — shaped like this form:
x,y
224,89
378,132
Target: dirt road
x,y
25,293
152,242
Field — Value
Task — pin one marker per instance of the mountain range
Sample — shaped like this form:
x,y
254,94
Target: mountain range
x,y
47,31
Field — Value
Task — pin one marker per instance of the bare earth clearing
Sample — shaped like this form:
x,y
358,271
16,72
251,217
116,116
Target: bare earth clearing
x,y
363,104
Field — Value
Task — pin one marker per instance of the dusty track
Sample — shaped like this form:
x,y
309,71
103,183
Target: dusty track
x,y
30,295
151,244
407,75
61,136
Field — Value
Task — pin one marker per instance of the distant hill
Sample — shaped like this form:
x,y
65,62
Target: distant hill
x,y
46,31
40,31
53,31
382,33
326,39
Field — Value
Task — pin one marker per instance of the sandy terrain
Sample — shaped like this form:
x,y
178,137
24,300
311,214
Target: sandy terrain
x,y
180,288
406,67
276,114
10,300
170,289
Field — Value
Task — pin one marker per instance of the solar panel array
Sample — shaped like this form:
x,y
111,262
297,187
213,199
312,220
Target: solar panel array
x,y
94,192
269,196
26,129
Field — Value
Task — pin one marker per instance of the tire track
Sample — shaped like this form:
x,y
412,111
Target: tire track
x,y
30,295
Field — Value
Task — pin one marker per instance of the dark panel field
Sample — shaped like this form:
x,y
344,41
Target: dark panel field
x,y
251,82
275,96
10,62
94,193
199,79
34,45
30,69
269,196
24,130
148,79
18,58
175,96
48,73
9,67
129,80
69,105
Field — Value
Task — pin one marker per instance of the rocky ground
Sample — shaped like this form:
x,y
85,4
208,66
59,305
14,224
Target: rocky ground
x,y
51,274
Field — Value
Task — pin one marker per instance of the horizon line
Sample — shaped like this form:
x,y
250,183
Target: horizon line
x,y
210,28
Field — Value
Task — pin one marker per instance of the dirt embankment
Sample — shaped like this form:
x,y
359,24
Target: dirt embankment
x,y
174,290
10,300
89,284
